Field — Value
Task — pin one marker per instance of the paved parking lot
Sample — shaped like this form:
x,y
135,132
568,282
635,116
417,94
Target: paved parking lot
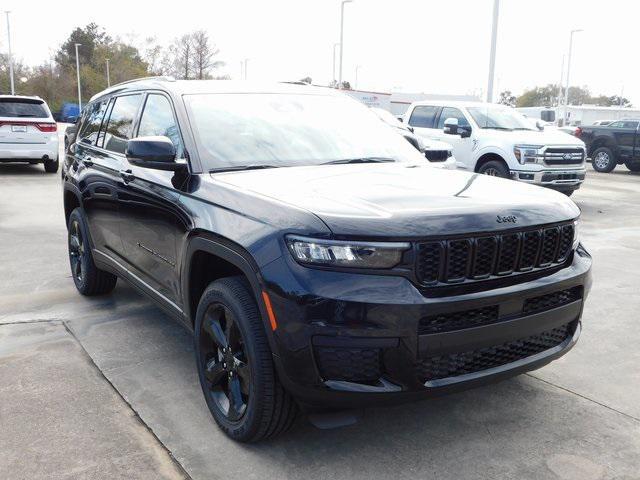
x,y
107,387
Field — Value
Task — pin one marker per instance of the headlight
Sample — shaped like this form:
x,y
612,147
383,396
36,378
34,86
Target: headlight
x,y
346,254
528,153
576,234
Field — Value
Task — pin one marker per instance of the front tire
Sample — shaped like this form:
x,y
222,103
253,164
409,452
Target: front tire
x,y
51,166
88,278
494,168
603,160
235,365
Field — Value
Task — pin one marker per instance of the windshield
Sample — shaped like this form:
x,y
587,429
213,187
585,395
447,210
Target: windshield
x,y
290,130
500,118
10,107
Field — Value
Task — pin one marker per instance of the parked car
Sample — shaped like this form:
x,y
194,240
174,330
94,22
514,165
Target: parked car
x,y
496,140
28,132
613,144
69,113
315,255
439,153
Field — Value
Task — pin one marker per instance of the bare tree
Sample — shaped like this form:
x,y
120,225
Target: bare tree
x,y
203,54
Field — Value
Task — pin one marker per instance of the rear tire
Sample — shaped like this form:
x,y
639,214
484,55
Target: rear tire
x,y
51,166
494,168
603,160
235,364
88,278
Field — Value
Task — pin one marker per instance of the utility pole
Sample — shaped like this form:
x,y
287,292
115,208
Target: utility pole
x,y
566,90
333,78
341,40
358,67
13,87
246,61
492,55
108,76
78,74
559,99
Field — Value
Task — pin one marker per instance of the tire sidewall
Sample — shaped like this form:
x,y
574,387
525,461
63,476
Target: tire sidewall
x,y
78,215
250,421
504,171
610,165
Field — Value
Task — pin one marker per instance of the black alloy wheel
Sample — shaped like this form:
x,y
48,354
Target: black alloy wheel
x,y
77,250
224,362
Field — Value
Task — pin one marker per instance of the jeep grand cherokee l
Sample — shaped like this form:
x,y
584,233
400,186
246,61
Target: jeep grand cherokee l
x,y
318,259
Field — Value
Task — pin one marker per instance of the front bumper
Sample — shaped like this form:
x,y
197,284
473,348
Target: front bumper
x,y
350,339
560,179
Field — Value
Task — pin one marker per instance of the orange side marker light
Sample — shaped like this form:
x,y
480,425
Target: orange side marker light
x,y
272,317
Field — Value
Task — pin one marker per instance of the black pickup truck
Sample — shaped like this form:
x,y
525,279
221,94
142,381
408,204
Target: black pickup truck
x,y
614,144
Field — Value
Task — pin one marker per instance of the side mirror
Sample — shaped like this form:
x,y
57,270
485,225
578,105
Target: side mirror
x,y
157,153
451,126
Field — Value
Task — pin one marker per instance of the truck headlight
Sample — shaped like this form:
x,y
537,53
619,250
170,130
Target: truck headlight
x,y
576,234
345,253
528,153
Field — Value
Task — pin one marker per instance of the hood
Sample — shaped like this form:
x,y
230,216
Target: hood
x,y
538,137
395,200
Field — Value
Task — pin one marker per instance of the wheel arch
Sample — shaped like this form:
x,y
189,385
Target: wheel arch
x,y
488,157
602,142
71,200
208,258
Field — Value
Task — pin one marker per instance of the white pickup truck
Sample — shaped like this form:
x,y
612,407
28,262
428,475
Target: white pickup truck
x,y
497,140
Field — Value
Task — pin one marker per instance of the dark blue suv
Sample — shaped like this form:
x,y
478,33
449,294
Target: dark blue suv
x,y
316,255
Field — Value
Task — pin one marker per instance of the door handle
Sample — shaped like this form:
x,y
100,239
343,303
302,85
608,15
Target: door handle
x,y
127,176
86,161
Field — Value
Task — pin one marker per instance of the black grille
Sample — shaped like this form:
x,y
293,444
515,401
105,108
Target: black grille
x,y
453,365
437,155
552,300
446,322
563,156
482,257
360,365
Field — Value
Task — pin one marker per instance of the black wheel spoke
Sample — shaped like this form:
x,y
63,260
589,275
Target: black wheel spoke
x,y
214,329
244,375
214,371
235,399
231,330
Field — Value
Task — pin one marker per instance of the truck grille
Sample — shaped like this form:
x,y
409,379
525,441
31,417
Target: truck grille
x,y
472,361
494,255
563,156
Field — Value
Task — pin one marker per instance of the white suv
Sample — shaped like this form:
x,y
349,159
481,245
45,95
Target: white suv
x,y
497,140
28,132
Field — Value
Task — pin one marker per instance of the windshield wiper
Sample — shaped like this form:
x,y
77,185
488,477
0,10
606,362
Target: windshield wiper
x,y
237,168
499,128
360,160
524,128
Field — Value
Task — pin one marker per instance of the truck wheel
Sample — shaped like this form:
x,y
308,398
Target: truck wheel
x,y
88,278
235,364
603,160
51,166
633,166
494,168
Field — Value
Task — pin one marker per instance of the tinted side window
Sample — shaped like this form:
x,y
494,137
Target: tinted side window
x,y
119,128
158,120
630,124
616,124
449,112
92,121
548,116
423,116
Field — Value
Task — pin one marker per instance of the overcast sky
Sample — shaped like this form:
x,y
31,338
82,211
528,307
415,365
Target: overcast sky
x,y
432,46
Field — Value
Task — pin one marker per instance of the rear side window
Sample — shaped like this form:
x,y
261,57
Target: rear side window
x,y
450,112
10,107
120,125
423,116
158,120
93,116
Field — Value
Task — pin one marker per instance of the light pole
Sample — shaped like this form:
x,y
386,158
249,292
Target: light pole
x,y
358,67
108,76
13,88
334,62
566,90
341,40
78,74
492,55
246,61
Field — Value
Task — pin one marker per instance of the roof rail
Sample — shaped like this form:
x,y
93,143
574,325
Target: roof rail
x,y
164,78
